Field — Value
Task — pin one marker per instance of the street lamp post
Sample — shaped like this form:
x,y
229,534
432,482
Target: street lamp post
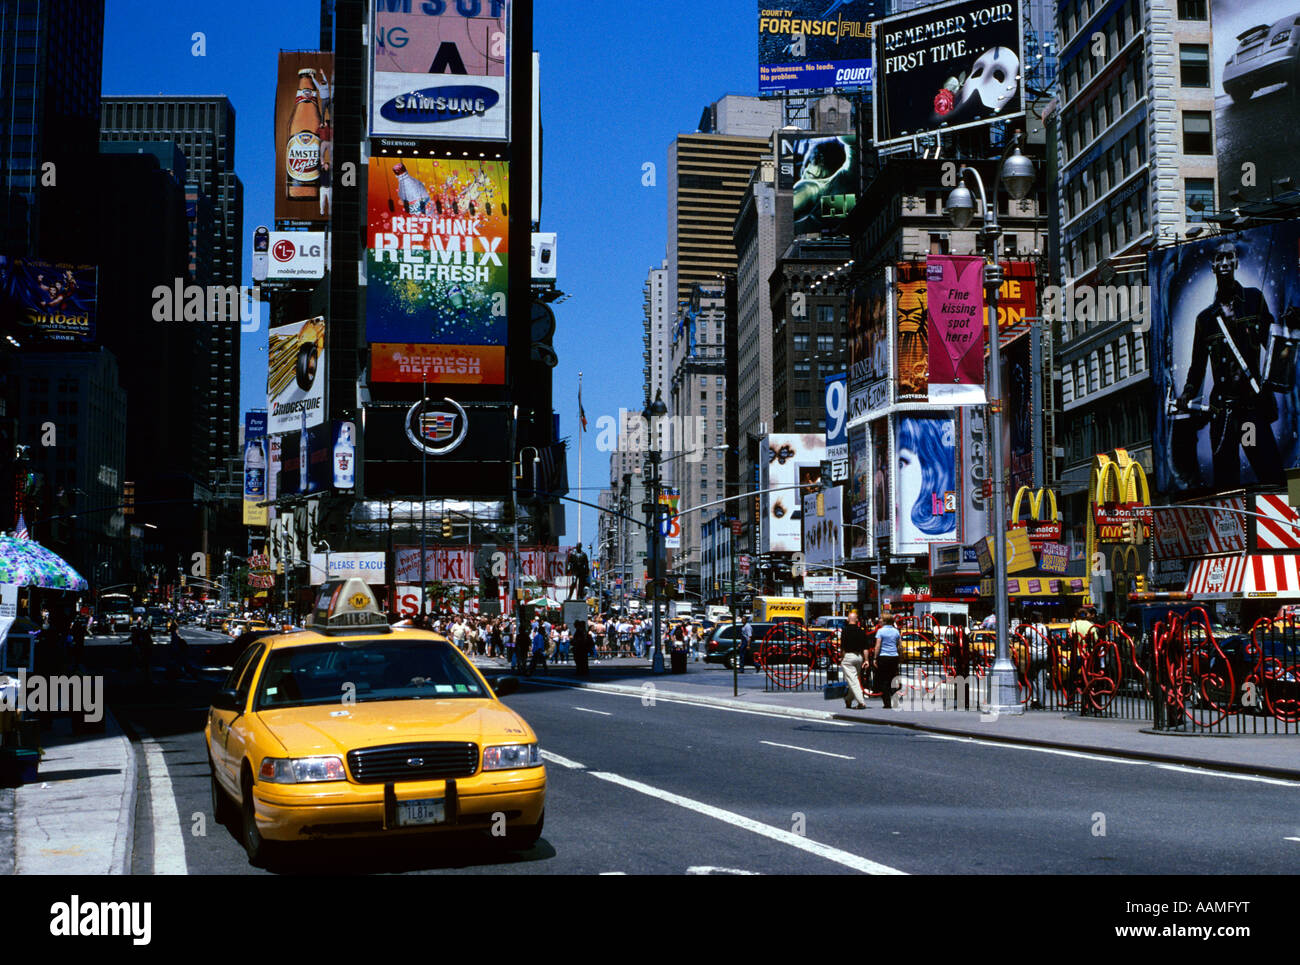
x,y
1017,172
655,410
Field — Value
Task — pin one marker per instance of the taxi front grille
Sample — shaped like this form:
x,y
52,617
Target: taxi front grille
x,y
436,760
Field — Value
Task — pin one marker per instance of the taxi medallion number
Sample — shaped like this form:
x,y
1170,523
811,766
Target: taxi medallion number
x,y
432,810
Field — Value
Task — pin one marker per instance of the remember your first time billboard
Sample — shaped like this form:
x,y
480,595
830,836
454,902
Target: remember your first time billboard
x,y
1224,330
437,270
441,69
947,67
815,44
304,139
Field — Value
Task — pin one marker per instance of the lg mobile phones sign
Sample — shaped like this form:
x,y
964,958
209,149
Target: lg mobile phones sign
x,y
296,255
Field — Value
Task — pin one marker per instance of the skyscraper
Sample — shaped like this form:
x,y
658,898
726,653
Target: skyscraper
x,y
204,129
51,58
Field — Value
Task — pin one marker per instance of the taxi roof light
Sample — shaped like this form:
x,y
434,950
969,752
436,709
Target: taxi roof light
x,y
348,606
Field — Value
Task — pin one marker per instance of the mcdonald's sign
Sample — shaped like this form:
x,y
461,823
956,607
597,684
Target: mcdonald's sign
x,y
1120,495
1041,529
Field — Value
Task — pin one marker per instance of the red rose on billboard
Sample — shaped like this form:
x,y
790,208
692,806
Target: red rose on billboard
x,y
283,250
943,101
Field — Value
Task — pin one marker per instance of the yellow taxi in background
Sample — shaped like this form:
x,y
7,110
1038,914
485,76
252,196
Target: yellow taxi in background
x,y
353,728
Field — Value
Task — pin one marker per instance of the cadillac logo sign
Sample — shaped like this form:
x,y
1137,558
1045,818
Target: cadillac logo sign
x,y
436,427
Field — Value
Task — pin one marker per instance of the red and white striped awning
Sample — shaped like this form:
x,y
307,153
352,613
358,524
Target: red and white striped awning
x,y
1281,530
1238,577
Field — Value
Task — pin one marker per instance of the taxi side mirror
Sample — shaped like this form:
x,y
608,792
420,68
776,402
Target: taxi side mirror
x,y
225,700
504,686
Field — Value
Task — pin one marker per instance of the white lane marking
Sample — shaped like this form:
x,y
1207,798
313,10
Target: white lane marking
x,y
661,699
613,872
168,839
588,710
563,761
1201,771
1291,839
856,862
708,869
809,750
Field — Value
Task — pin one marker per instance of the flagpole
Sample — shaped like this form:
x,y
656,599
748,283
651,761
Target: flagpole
x,y
581,431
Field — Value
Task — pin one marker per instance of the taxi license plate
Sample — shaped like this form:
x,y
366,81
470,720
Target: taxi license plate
x,y
424,811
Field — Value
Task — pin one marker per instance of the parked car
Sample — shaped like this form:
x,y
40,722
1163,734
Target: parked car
x,y
1265,55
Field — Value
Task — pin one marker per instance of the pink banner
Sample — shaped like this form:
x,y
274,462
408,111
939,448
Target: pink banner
x,y
955,297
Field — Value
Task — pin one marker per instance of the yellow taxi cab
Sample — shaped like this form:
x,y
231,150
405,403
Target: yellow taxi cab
x,y
353,728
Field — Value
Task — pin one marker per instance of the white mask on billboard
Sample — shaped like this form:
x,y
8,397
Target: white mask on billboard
x,y
993,79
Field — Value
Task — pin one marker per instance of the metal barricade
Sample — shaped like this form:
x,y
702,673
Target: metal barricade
x,y
791,658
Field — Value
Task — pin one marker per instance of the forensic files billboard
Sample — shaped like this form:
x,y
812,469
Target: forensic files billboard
x,y
441,69
295,377
815,44
1256,118
947,66
50,301
822,173
303,137
925,483
1224,332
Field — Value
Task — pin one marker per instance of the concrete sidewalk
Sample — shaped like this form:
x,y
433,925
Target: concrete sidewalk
x,y
1268,755
78,818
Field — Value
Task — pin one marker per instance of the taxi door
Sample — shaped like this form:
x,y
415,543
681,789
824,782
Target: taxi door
x,y
223,721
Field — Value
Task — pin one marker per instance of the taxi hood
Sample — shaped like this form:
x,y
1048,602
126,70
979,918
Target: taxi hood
x,y
337,728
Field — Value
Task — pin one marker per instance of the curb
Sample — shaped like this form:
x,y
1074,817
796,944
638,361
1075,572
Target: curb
x,y
124,844
8,832
1282,773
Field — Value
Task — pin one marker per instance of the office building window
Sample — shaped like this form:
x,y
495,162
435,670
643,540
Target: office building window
x,y
801,343
1197,136
938,244
802,397
1194,65
826,343
1199,194
825,314
802,369
1193,10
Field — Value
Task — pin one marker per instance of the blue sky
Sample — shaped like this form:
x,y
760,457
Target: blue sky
x,y
619,81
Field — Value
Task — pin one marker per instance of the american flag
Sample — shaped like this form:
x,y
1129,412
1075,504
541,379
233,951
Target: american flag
x,y
21,531
582,415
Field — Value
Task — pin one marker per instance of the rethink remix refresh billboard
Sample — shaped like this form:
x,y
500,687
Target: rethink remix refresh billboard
x,y
437,270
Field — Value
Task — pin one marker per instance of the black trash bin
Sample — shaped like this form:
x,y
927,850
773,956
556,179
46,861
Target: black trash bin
x,y
677,661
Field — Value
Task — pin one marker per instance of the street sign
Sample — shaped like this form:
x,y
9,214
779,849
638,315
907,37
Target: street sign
x,y
743,564
736,526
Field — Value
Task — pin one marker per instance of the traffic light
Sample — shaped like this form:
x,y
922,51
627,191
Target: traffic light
x,y
128,499
446,527
1126,532
1140,583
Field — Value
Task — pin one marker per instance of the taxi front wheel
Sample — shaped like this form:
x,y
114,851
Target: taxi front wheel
x,y
259,849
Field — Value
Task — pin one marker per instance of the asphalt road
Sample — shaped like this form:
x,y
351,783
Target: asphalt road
x,y
674,788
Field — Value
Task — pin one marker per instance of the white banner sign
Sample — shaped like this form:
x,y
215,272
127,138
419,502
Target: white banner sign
x,y
365,566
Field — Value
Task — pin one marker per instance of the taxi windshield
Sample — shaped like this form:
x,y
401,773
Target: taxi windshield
x,y
388,669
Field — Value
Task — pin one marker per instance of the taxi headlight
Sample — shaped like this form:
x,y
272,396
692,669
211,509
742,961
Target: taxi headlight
x,y
501,757
301,770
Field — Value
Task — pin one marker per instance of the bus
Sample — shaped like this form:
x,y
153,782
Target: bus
x,y
114,613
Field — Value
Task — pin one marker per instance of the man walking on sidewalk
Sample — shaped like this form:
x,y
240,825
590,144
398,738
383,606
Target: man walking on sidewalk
x,y
853,640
